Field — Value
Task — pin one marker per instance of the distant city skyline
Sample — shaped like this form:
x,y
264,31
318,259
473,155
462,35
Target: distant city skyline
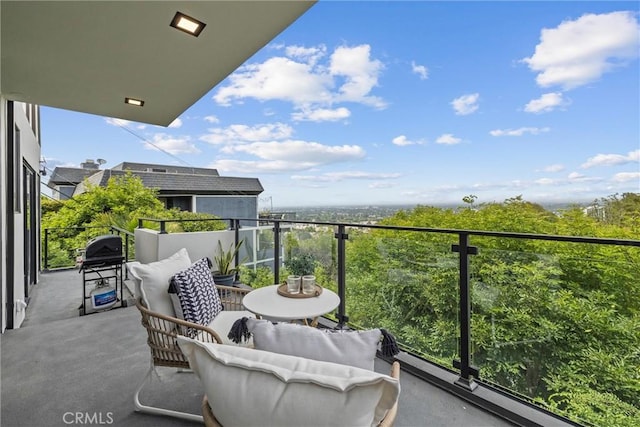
x,y
406,103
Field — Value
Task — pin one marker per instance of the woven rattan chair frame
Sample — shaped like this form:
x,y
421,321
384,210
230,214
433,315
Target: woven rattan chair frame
x,y
388,420
162,331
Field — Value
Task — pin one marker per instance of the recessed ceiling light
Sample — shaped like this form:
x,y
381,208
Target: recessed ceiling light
x,y
133,101
187,24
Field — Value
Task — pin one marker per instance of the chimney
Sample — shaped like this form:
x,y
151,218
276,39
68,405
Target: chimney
x,y
89,164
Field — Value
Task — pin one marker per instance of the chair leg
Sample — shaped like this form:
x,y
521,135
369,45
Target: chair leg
x,y
160,411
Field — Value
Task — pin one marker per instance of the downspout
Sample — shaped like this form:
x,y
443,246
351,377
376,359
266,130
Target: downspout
x,y
10,215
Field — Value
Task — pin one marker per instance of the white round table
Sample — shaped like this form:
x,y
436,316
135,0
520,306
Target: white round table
x,y
266,302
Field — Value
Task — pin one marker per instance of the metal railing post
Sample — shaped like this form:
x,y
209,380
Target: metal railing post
x,y
236,236
163,227
342,236
467,371
276,252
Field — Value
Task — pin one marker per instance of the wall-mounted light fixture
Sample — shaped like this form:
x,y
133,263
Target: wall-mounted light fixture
x,y
133,101
187,24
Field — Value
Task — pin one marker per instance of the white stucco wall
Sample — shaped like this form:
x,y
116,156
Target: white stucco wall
x,y
152,246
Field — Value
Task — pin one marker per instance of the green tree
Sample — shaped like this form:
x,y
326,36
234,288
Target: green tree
x,y
555,321
120,203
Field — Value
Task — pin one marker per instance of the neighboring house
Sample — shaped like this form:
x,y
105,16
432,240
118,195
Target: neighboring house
x,y
134,66
187,188
64,180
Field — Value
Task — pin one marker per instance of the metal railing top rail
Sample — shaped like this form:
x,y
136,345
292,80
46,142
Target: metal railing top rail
x,y
485,233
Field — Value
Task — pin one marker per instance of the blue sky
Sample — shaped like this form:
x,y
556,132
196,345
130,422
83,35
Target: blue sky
x,y
408,103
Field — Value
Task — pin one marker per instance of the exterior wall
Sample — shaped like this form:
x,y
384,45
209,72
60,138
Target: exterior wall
x,y
26,119
198,244
3,209
229,207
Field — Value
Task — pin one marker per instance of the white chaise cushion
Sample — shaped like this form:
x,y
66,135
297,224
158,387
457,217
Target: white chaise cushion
x,y
154,280
354,348
248,387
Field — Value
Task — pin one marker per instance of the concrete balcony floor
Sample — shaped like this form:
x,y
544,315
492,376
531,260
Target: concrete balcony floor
x,y
59,364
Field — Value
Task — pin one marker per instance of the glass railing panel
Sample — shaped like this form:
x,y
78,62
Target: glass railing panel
x,y
559,323
62,247
406,282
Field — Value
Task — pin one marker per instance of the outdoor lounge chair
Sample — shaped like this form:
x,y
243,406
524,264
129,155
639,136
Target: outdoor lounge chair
x,y
161,337
388,420
163,326
250,387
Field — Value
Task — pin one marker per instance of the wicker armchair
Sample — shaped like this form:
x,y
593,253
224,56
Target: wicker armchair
x,y
161,339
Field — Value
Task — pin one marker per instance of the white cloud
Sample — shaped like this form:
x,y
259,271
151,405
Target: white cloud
x,y
380,185
342,176
545,181
310,55
519,131
554,168
579,52
349,74
257,166
466,104
611,159
402,141
237,133
176,123
575,176
626,177
212,119
310,153
578,177
420,70
117,122
123,123
360,73
322,115
171,144
546,103
286,156
448,139
277,78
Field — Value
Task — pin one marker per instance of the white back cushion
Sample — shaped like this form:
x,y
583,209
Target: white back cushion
x,y
154,280
354,348
248,387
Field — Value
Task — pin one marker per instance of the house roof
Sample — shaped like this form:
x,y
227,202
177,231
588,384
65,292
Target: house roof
x,y
69,176
185,184
151,167
89,55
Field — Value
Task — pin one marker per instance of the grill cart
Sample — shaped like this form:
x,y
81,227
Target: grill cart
x,y
101,268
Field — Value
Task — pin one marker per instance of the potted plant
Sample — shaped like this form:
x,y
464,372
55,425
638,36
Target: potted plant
x,y
224,260
301,265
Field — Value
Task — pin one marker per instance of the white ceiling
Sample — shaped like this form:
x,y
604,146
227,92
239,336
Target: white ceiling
x,y
89,55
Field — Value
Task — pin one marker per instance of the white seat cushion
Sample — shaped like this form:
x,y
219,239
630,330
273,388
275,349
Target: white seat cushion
x,y
154,280
248,387
223,322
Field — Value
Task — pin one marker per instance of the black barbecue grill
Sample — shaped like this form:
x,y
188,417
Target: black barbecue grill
x,y
101,267
103,250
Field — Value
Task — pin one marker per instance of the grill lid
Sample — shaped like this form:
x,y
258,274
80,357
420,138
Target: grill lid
x,y
103,249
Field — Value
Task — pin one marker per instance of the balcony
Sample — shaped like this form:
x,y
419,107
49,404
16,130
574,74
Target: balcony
x,y
59,364
446,299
